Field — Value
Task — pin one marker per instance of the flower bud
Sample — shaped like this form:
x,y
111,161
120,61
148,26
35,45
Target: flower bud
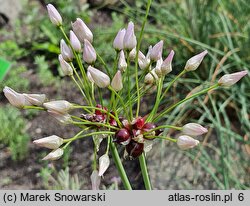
x,y
143,61
132,54
230,79
193,129
65,66
134,149
60,106
116,83
158,67
122,64
103,164
122,136
156,52
118,41
35,99
90,77
95,180
74,41
54,15
194,62
138,123
66,51
129,41
54,155
89,54
185,142
62,118
101,79
150,77
51,142
166,66
82,31
15,98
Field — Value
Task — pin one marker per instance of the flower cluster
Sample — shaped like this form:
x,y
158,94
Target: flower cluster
x,y
117,120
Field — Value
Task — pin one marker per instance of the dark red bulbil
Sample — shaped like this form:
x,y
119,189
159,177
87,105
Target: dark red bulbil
x,y
122,137
134,149
139,123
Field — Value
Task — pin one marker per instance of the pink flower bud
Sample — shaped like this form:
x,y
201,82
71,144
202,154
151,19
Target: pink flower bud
x,y
65,66
118,41
156,52
95,180
101,79
116,83
82,31
129,41
54,155
185,142
35,99
122,64
166,66
60,106
54,15
193,129
89,54
74,41
194,62
230,79
51,142
62,118
66,51
103,164
15,98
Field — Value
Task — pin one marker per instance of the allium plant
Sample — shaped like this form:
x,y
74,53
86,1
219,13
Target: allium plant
x,y
118,121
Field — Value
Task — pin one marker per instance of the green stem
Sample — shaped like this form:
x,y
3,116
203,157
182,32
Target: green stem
x,y
184,100
144,171
136,58
33,107
163,127
104,64
120,167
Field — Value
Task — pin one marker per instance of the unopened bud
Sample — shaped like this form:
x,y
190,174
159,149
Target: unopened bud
x,y
15,98
193,129
122,64
129,41
60,106
82,31
54,155
89,54
54,15
143,61
166,66
150,77
185,142
74,41
158,67
194,62
103,164
230,79
156,52
118,41
116,82
35,99
65,66
132,54
101,79
51,142
95,180
66,51
62,118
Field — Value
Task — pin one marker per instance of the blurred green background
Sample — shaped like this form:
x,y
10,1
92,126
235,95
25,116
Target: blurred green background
x,y
30,43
